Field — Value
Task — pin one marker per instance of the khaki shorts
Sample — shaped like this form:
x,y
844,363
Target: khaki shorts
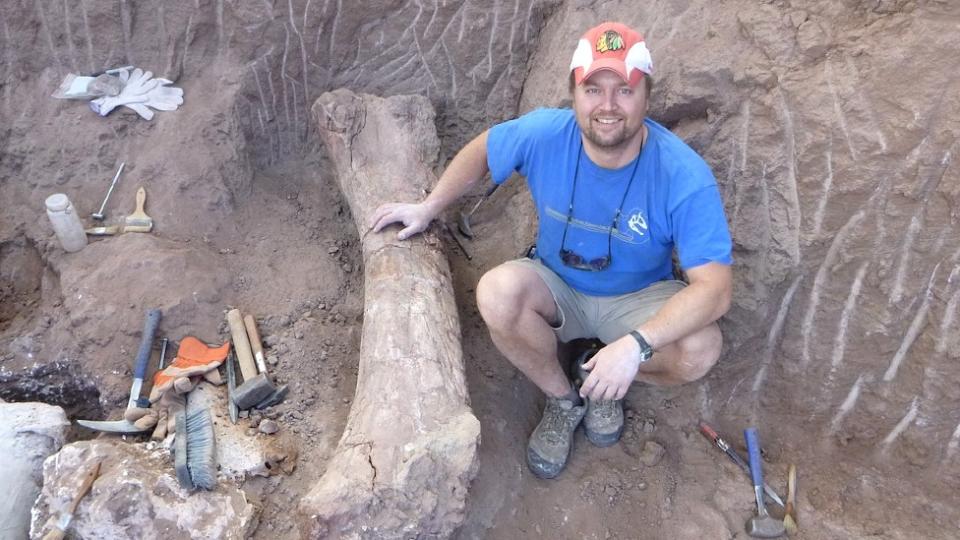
x,y
607,318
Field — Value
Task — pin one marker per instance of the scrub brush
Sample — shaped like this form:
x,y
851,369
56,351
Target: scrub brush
x,y
194,449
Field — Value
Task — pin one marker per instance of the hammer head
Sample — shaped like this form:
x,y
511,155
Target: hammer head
x,y
765,527
253,391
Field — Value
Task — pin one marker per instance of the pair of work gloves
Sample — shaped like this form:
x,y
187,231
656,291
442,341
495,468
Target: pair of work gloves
x,y
141,92
194,361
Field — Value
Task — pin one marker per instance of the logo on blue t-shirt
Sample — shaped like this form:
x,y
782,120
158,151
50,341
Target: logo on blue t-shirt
x,y
636,222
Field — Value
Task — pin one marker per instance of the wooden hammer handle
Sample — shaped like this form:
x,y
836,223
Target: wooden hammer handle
x,y
251,325
241,345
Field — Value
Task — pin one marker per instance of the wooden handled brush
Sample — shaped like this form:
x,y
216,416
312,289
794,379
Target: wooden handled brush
x,y
139,221
790,518
60,529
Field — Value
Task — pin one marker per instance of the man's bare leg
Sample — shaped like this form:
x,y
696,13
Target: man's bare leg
x,y
518,307
684,361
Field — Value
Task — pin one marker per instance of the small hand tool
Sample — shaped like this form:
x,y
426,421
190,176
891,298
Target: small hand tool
x,y
139,221
144,402
712,435
139,372
279,393
790,517
60,529
109,230
464,224
163,354
761,525
99,215
231,388
463,249
256,386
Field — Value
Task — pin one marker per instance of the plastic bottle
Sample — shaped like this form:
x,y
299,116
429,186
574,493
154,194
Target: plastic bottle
x,y
66,222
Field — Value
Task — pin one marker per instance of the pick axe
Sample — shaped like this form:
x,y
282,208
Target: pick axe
x,y
139,373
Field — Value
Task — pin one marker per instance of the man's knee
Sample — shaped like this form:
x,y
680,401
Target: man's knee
x,y
699,352
498,297
505,292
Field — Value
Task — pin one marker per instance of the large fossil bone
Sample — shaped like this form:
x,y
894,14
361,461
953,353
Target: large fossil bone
x,y
409,448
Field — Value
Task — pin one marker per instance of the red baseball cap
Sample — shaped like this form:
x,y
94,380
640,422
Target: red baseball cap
x,y
612,46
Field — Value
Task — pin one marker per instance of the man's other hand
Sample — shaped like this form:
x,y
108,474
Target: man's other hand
x,y
612,370
414,217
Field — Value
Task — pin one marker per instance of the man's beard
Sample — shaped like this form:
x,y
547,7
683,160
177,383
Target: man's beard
x,y
610,140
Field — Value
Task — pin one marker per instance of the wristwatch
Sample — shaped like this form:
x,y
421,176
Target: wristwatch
x,y
646,351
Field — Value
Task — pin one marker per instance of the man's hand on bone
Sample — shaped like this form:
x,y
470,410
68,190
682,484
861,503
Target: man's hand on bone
x,y
414,217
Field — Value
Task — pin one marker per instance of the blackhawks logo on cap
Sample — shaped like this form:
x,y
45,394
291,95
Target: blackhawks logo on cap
x,y
609,41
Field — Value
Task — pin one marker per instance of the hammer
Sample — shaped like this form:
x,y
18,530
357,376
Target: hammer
x,y
761,525
139,373
256,386
279,394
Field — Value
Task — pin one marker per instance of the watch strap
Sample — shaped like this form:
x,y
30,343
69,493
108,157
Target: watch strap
x,y
646,351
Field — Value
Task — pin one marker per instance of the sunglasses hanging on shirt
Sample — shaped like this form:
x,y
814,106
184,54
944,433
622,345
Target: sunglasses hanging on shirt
x,y
576,261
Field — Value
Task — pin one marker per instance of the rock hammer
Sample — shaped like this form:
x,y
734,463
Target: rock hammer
x,y
139,373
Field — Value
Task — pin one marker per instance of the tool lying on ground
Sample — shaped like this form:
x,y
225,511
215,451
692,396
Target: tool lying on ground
x,y
139,372
790,517
60,529
256,387
139,221
232,387
464,224
194,448
279,394
712,435
463,249
195,361
761,525
99,215
109,230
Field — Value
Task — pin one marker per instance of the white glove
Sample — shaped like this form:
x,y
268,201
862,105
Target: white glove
x,y
141,92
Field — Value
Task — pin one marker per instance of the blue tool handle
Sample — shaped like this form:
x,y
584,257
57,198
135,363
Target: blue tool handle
x,y
753,451
146,344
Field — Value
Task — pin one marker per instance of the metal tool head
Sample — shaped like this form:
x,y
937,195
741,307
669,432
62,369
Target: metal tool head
x,y
765,526
277,396
463,224
97,216
253,391
116,426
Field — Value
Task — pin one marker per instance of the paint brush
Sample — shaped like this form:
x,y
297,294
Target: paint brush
x,y
60,529
790,516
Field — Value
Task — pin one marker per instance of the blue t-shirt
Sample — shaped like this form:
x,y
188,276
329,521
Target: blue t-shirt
x,y
673,201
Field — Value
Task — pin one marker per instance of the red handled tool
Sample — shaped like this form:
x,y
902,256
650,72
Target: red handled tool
x,y
718,441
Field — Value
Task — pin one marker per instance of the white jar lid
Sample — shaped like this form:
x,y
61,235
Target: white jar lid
x,y
58,202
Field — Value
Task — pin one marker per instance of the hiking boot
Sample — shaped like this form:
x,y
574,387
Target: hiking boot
x,y
551,441
603,423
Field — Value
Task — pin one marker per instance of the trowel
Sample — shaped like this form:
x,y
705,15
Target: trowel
x,y
139,373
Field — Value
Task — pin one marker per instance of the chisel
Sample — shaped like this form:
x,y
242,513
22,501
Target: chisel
x,y
231,387
709,433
